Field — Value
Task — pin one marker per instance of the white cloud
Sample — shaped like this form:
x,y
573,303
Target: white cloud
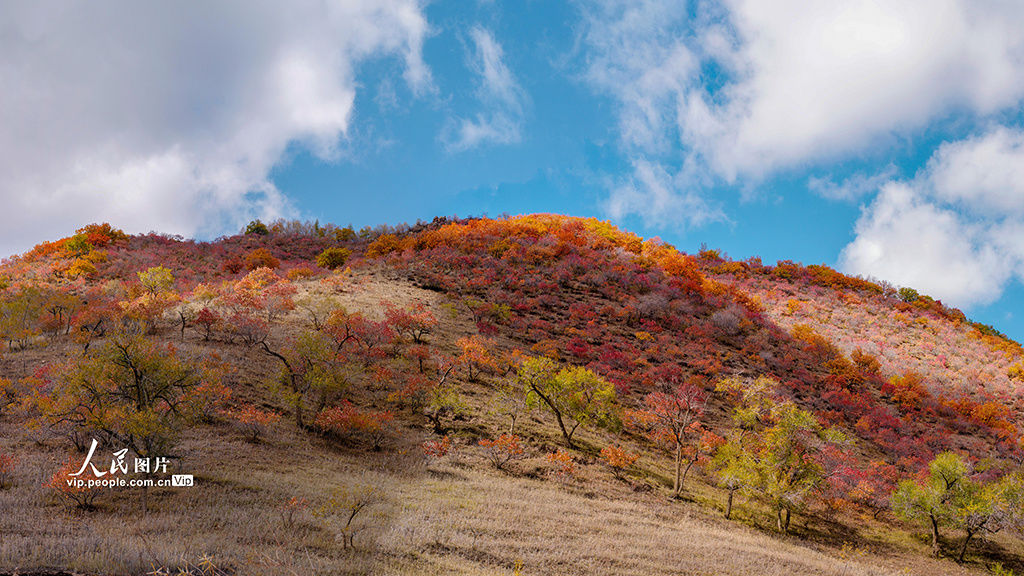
x,y
955,231
632,53
171,116
660,198
500,95
984,174
749,88
907,240
852,187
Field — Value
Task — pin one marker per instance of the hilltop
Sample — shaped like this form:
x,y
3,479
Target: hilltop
x,y
480,396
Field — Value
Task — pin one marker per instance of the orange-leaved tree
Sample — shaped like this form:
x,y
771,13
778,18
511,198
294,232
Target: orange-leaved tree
x,y
673,419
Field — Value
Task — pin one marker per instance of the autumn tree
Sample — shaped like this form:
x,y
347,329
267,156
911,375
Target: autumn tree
x,y
673,419
414,322
476,355
208,319
318,309
156,279
155,299
574,395
61,306
136,392
20,310
443,400
367,339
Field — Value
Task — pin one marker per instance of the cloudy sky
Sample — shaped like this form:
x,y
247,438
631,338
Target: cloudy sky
x,y
885,139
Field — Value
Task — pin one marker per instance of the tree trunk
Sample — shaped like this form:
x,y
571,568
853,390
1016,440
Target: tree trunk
x,y
782,517
677,487
298,414
558,416
565,433
963,547
728,503
686,471
935,536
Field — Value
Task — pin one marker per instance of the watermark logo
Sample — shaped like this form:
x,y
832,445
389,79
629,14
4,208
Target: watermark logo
x,y
89,475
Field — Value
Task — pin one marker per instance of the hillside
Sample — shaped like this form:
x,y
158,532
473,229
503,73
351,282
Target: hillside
x,y
488,396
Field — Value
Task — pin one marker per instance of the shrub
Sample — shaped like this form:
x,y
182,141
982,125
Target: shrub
x,y
502,449
348,422
73,491
252,420
1016,372
301,273
384,245
618,459
233,265
290,508
332,258
7,463
261,258
343,511
436,449
565,465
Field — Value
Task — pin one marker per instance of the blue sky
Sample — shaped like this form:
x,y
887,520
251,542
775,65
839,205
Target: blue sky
x,y
883,140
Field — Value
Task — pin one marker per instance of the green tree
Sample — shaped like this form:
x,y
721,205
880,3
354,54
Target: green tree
x,y
908,294
950,496
135,393
332,258
156,279
574,395
732,466
257,227
932,500
781,457
313,374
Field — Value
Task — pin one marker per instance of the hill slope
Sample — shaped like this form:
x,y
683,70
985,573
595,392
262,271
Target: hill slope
x,y
303,391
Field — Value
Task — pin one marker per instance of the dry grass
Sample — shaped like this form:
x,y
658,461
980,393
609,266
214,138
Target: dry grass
x,y
454,518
